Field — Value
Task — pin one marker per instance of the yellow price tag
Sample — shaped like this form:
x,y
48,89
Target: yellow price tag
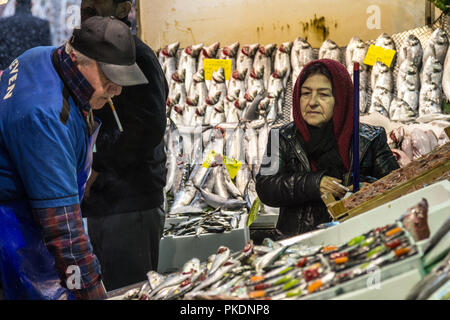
x,y
232,165
254,211
376,53
211,65
210,158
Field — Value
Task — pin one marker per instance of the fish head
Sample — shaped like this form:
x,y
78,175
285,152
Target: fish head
x,y
439,36
240,103
219,107
250,49
286,47
219,75
179,76
268,49
193,101
233,95
239,75
211,51
171,49
178,109
413,40
264,103
199,76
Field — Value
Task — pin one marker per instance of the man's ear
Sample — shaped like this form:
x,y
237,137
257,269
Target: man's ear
x,y
123,9
74,57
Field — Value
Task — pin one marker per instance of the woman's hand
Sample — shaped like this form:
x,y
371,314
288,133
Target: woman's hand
x,y
331,185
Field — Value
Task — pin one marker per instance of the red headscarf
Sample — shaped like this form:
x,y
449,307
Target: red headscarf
x,y
343,106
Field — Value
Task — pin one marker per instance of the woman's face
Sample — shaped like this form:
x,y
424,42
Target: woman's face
x,y
317,100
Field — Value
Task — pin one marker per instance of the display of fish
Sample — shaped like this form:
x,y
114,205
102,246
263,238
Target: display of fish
x,y
170,60
263,61
301,54
245,59
430,99
436,46
330,50
218,114
282,63
188,62
276,91
407,78
431,72
412,51
255,85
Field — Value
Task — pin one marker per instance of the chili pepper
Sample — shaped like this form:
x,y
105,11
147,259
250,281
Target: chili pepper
x,y
394,231
283,280
315,286
355,241
286,270
393,244
294,293
329,249
257,294
341,260
291,284
301,262
257,278
401,251
368,242
375,251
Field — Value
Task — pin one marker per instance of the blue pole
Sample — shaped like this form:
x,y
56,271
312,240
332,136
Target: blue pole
x,y
355,127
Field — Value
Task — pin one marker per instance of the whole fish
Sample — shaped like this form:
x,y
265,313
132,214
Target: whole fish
x,y
154,279
198,89
276,91
301,54
188,62
220,187
212,278
236,86
262,262
216,201
171,280
432,72
231,112
183,198
381,75
217,86
330,50
230,52
222,255
407,78
209,52
437,46
263,61
401,111
242,178
177,87
231,187
282,63
218,114
170,60
355,52
171,163
255,85
430,99
385,41
250,193
251,111
245,59
211,101
412,51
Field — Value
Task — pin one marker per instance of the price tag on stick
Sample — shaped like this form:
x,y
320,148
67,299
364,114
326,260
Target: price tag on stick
x,y
376,53
211,65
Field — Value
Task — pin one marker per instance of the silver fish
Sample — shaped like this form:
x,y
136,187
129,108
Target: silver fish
x,y
251,143
222,255
230,52
219,182
245,59
301,54
437,46
355,52
408,76
412,51
232,114
430,99
170,60
401,111
263,61
188,62
236,85
231,187
446,76
216,201
183,198
171,280
218,114
154,279
242,178
381,75
385,41
251,111
262,262
432,72
282,61
276,92
214,277
330,50
209,52
250,193
198,90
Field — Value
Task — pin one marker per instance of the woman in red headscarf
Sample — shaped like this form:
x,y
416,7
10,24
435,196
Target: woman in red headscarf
x,y
312,155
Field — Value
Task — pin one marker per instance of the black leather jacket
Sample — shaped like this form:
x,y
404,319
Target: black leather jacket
x,y
291,184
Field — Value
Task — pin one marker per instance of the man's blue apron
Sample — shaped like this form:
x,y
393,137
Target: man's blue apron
x,y
27,268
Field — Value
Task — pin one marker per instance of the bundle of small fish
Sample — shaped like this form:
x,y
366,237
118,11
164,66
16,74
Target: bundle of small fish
x,y
217,221
275,271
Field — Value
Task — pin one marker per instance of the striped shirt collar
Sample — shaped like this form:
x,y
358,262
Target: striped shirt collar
x,y
80,88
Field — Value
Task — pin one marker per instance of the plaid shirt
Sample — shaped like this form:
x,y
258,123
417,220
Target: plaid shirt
x,y
62,228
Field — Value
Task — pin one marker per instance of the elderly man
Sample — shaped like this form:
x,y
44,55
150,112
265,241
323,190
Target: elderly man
x,y
124,204
46,136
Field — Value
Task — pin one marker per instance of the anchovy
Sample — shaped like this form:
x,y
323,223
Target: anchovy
x,y
222,255
171,280
262,262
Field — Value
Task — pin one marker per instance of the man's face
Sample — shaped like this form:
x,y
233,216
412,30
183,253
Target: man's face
x,y
104,8
104,88
317,100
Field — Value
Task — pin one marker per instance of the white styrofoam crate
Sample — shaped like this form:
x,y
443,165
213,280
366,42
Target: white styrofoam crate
x,y
437,195
174,252
169,221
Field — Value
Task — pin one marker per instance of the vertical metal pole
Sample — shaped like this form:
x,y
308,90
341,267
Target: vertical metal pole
x,y
355,127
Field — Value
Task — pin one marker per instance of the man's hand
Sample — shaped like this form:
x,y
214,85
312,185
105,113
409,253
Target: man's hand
x,y
90,182
330,185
